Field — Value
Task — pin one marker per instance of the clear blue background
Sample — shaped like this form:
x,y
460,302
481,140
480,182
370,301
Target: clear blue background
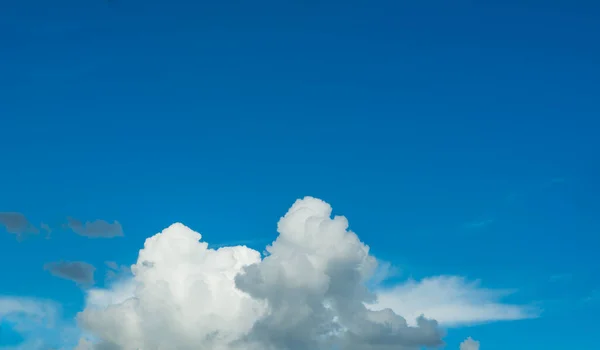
x,y
413,119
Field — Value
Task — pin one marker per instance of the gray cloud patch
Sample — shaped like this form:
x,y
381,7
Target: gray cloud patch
x,y
17,223
96,228
116,271
77,271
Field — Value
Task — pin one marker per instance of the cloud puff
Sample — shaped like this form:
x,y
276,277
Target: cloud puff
x,y
469,344
17,223
96,228
309,291
452,301
77,271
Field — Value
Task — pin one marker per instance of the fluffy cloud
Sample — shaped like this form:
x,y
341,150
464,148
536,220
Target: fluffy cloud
x,y
309,291
469,344
452,301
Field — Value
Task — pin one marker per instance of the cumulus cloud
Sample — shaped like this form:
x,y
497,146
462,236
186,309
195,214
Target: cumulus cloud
x,y
469,344
96,228
309,291
17,224
77,271
452,301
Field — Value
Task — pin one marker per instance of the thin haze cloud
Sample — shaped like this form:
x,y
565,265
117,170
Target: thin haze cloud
x,y
513,197
452,301
39,322
561,277
476,225
44,226
115,271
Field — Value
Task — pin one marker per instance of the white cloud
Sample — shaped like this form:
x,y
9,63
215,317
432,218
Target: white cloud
x,y
33,344
22,311
308,292
469,344
35,319
452,301
181,294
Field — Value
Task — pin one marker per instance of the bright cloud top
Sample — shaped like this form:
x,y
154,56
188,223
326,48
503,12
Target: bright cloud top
x,y
308,292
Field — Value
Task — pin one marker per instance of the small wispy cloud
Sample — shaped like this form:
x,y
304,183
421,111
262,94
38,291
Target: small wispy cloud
x,y
480,224
112,265
452,301
554,181
96,228
384,271
561,277
44,226
38,321
79,272
28,316
116,271
18,224
42,310
592,297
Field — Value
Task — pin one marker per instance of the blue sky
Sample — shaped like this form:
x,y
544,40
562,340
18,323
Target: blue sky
x,y
458,139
